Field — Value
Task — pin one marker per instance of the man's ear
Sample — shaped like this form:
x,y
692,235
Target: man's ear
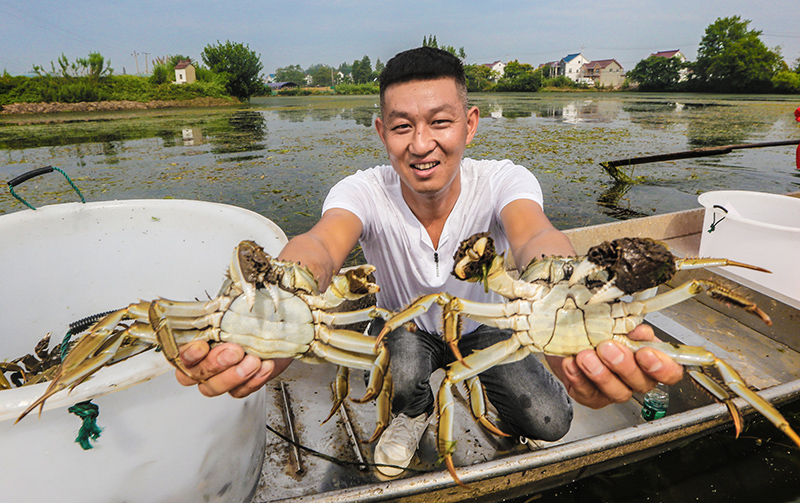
x,y
473,117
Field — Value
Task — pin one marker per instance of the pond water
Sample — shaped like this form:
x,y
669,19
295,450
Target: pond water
x,y
279,157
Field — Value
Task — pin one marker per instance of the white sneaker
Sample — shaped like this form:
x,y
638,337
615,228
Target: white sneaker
x,y
399,443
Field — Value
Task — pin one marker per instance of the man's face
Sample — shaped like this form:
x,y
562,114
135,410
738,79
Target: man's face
x,y
425,130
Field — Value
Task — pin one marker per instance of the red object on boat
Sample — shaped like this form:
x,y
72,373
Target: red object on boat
x,y
797,155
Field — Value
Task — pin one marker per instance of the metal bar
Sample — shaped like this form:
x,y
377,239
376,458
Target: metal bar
x,y
351,434
288,418
700,152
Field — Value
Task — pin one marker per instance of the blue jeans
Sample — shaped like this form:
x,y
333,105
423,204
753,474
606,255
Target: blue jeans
x,y
531,401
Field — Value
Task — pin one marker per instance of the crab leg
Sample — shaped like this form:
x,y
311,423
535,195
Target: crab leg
x,y
695,287
720,394
693,355
347,318
86,358
384,408
446,444
169,346
416,308
477,405
703,263
341,389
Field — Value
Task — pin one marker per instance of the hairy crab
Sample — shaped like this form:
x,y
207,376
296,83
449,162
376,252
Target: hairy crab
x,y
563,305
270,307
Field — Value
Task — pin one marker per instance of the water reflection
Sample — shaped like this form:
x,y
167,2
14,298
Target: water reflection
x,y
279,156
363,116
192,136
571,111
242,131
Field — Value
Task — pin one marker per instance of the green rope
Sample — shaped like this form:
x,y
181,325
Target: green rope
x,y
69,180
89,429
38,172
65,344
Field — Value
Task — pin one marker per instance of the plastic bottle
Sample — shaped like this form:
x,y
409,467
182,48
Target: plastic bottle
x,y
654,405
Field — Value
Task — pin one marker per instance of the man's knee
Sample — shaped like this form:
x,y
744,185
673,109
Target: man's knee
x,y
544,423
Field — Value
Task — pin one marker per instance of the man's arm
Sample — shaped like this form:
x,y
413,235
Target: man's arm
x,y
226,368
611,373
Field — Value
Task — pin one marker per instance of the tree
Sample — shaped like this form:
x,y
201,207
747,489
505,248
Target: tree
x,y
732,58
431,42
93,67
240,65
362,71
321,75
657,73
479,77
291,73
520,77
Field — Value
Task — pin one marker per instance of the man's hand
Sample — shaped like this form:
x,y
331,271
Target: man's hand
x,y
226,368
612,373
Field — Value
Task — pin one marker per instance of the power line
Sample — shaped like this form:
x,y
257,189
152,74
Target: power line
x,y
45,25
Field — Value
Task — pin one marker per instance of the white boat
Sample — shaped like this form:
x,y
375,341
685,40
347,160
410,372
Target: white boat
x,y
767,357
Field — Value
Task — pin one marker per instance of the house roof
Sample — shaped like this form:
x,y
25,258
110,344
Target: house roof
x,y
570,57
281,85
491,65
601,63
183,64
666,54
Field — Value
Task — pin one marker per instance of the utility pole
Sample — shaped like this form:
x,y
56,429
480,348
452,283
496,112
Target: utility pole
x,y
135,57
146,69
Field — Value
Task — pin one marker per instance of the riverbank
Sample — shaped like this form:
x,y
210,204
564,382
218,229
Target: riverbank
x,y
47,108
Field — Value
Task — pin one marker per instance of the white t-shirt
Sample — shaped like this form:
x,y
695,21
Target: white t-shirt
x,y
396,243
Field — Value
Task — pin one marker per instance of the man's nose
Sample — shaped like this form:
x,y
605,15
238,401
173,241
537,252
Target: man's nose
x,y
423,141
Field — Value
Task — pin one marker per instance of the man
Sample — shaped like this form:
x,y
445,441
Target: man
x,y
409,218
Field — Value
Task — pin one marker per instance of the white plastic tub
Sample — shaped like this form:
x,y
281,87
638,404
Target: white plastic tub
x,y
160,441
756,228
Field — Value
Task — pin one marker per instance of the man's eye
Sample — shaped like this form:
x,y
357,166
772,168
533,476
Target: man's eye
x,y
401,127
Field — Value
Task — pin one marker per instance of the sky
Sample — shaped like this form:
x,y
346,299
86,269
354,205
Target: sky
x,y
131,34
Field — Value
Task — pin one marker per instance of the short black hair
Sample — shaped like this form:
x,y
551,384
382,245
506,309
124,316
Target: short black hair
x,y
423,63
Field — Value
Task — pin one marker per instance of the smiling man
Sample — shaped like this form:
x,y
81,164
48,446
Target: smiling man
x,y
410,217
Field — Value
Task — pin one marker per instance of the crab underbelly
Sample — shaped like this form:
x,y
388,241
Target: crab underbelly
x,y
562,324
269,331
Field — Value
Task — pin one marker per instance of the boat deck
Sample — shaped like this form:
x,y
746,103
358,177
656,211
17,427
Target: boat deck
x,y
767,357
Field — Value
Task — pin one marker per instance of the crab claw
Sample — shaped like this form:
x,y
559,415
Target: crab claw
x,y
238,276
583,270
607,293
472,255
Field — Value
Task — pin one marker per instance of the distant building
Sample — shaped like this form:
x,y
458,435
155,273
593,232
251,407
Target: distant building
x,y
498,69
570,66
551,69
603,73
670,54
184,72
277,86
684,72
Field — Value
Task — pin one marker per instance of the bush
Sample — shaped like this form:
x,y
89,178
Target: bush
x,y
560,81
786,82
368,88
294,91
116,88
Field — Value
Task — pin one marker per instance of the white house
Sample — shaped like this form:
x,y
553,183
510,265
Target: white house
x,y
570,66
184,72
498,68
